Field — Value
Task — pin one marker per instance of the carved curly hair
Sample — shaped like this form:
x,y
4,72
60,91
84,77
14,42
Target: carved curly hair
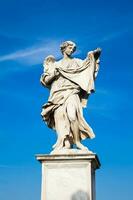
x,y
66,44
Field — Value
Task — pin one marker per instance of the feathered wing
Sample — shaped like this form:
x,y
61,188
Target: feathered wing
x,y
48,67
48,63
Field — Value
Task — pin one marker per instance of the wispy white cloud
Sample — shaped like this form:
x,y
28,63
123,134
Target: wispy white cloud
x,y
113,35
106,104
34,54
100,37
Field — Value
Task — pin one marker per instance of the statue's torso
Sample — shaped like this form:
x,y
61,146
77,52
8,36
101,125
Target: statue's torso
x,y
62,82
62,85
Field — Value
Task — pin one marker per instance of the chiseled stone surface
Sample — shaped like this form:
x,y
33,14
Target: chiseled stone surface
x,y
70,151
71,81
68,177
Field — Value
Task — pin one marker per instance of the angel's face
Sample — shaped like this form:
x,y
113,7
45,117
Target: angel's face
x,y
68,50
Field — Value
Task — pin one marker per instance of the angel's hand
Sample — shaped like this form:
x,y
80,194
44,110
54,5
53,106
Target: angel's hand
x,y
90,55
97,53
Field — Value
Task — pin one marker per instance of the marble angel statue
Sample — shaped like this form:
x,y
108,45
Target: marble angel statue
x,y
70,81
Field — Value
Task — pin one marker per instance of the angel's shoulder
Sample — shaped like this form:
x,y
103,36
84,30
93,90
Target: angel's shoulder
x,y
78,61
58,63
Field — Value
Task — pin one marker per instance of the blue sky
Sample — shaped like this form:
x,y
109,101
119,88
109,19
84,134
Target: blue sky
x,y
33,29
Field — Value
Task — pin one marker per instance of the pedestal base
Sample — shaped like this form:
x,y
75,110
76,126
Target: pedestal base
x,y
68,177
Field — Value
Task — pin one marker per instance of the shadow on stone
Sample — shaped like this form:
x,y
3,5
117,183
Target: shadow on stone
x,y
80,195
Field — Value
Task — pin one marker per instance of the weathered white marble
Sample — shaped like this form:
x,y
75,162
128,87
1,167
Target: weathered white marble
x,y
71,82
70,151
68,177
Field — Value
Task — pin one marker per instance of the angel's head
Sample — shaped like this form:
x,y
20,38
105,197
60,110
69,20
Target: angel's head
x,y
68,47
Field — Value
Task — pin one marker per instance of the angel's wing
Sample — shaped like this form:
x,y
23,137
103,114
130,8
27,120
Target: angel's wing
x,y
48,63
49,68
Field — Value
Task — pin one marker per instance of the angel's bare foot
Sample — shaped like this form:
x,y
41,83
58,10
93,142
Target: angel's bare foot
x,y
81,146
67,144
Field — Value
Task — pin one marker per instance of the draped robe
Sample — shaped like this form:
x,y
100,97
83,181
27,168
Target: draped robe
x,y
73,85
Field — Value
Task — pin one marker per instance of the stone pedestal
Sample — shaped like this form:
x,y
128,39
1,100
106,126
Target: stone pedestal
x,y
68,177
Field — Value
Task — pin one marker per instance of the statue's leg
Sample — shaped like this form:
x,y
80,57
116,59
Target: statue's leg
x,y
62,127
72,108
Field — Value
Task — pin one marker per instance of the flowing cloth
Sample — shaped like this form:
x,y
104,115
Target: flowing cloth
x,y
72,86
